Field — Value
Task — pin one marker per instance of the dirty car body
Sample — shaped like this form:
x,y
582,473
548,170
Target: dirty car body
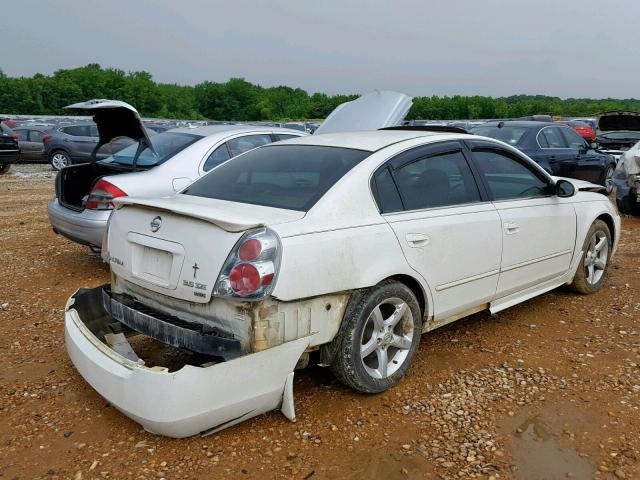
x,y
349,245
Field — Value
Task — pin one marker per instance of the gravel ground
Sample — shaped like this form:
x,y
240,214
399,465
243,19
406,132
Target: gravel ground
x,y
547,389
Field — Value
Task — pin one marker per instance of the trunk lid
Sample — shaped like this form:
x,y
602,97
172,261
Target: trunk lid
x,y
371,111
177,246
618,121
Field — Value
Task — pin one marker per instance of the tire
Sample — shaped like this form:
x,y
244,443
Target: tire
x,y
4,168
628,205
592,270
59,159
366,328
607,182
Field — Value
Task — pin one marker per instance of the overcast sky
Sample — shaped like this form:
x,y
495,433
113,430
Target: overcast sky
x,y
487,47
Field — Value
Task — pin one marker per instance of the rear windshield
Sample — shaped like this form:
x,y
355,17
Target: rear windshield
x,y
293,177
506,134
166,144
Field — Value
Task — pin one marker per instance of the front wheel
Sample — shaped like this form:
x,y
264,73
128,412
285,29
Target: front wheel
x,y
595,259
379,337
608,179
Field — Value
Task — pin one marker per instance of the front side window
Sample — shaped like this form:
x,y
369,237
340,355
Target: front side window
x,y
23,135
574,140
507,177
551,137
218,156
244,144
436,181
292,177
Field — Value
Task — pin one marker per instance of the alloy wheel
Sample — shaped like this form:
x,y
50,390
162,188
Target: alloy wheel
x,y
608,180
59,161
596,256
386,338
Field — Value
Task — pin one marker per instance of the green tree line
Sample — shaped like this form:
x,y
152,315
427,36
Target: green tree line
x,y
238,99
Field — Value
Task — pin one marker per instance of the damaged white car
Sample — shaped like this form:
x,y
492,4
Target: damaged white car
x,y
344,246
626,179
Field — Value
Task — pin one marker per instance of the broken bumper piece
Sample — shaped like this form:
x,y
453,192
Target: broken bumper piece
x,y
192,400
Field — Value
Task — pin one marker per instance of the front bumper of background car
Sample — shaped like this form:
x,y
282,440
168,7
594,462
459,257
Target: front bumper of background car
x,y
191,400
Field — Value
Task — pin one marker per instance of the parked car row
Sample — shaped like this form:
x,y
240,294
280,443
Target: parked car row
x,y
246,252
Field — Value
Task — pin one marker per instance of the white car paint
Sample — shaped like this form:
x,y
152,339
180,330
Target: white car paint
x,y
465,258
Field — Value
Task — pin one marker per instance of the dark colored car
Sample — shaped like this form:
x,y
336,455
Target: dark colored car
x,y
9,148
31,140
556,148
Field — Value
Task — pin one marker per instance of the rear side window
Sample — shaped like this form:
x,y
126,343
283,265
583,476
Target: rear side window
x,y
36,135
437,181
551,137
244,144
293,177
386,192
23,135
507,134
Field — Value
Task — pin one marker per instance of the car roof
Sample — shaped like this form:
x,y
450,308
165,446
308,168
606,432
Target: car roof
x,y
372,140
207,130
519,123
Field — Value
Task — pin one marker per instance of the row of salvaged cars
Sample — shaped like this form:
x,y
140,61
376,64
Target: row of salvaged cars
x,y
238,255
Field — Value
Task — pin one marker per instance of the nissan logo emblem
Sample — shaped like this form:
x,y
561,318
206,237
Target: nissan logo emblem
x,y
156,223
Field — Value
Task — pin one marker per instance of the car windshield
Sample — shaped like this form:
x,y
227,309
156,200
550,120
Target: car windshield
x,y
293,177
506,134
166,144
622,135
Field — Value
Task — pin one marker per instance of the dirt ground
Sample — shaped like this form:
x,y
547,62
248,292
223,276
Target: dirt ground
x,y
548,389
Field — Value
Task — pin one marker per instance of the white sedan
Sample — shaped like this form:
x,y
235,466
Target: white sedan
x,y
346,246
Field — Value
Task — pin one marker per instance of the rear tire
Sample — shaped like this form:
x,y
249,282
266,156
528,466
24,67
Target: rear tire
x,y
379,337
592,270
4,168
59,159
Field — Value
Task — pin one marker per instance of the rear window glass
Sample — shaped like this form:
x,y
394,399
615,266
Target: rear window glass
x,y
506,134
166,145
293,177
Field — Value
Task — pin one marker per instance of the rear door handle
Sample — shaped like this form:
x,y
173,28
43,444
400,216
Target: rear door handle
x,y
417,240
511,228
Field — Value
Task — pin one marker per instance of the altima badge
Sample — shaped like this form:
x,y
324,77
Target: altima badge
x,y
156,223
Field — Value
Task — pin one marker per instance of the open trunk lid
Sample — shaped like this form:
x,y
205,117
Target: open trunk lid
x,y
618,121
178,245
114,119
371,111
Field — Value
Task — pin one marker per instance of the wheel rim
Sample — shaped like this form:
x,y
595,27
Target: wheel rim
x,y
59,160
595,259
386,338
608,181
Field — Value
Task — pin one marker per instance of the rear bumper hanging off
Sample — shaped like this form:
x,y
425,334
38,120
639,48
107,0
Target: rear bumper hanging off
x,y
185,402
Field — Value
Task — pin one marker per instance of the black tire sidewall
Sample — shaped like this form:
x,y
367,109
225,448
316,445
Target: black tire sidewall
x,y
357,319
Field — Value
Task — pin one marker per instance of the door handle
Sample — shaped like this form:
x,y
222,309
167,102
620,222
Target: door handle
x,y
511,228
417,240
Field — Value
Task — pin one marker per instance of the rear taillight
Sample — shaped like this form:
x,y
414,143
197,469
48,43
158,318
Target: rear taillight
x,y
46,138
15,136
102,195
251,267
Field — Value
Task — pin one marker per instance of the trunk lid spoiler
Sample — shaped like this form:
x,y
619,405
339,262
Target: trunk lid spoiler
x,y
229,216
372,111
115,119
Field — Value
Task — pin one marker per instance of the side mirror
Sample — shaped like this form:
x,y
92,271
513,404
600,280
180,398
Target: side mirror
x,y
564,189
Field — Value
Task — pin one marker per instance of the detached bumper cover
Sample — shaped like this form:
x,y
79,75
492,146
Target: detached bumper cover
x,y
191,400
